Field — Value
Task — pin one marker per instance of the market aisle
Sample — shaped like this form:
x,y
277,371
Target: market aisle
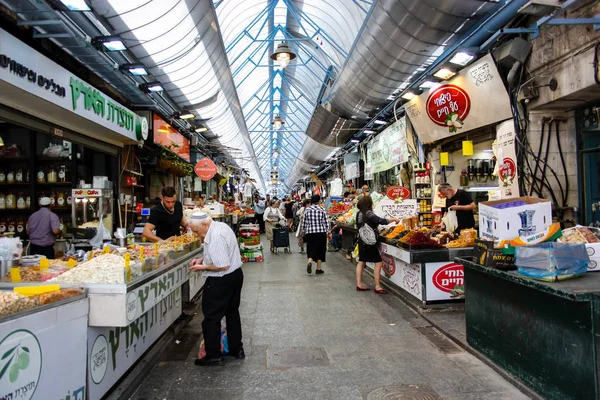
x,y
315,337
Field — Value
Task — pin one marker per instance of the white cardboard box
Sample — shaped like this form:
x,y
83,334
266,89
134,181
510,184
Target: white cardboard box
x,y
593,250
508,223
216,209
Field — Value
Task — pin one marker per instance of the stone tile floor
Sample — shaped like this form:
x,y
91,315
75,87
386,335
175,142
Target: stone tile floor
x,y
326,341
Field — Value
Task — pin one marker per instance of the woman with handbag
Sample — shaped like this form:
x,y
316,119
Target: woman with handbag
x,y
368,223
272,216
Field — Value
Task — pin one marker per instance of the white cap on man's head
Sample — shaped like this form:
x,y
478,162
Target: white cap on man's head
x,y
198,216
45,201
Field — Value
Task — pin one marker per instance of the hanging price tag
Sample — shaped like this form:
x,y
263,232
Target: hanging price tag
x,y
127,267
155,249
71,263
15,274
44,265
89,255
106,250
141,253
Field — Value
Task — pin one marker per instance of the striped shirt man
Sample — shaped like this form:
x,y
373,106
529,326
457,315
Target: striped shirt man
x,y
221,249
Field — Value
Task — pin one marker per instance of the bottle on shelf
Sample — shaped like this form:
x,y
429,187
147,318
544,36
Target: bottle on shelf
x,y
21,205
2,226
10,227
20,228
19,175
10,177
2,177
11,201
52,199
61,200
2,201
52,175
62,174
28,201
41,175
427,177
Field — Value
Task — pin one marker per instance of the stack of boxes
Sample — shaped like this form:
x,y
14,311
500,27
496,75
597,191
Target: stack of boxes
x,y
251,248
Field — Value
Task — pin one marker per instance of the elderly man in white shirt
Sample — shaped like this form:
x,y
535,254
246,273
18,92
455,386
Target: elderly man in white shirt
x,y
221,265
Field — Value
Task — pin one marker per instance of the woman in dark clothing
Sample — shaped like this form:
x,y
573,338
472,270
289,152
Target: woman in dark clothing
x,y
368,253
289,212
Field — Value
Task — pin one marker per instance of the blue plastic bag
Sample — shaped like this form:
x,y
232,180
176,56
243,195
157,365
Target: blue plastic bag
x,y
552,261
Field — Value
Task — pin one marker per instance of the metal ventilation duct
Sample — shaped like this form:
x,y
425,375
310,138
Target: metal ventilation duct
x,y
400,37
326,132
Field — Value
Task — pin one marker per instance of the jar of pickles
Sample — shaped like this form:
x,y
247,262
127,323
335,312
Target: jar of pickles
x,y
10,177
52,175
11,201
21,204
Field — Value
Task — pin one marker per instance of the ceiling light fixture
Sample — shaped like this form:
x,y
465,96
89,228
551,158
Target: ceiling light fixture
x,y
275,153
76,5
277,122
355,141
409,95
134,69
283,54
369,131
109,43
152,87
380,122
462,58
186,114
201,129
444,73
429,84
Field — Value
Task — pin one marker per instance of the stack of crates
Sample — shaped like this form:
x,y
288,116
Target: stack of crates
x,y
251,248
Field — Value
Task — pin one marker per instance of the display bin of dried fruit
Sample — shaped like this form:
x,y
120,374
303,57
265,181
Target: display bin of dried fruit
x,y
40,338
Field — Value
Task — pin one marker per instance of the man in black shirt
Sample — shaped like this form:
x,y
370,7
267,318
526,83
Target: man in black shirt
x,y
460,201
166,217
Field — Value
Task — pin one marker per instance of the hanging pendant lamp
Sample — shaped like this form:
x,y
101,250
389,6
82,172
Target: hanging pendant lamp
x,y
277,122
283,54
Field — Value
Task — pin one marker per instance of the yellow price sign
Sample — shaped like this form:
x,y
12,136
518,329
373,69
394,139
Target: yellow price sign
x,y
71,263
106,250
155,249
127,267
141,253
44,264
15,274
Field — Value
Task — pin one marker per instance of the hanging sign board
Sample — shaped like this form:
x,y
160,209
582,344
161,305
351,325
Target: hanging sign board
x,y
398,191
351,171
391,209
205,169
507,168
389,148
476,97
170,138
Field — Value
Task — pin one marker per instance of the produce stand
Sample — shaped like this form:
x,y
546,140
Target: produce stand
x,y
45,349
349,233
428,275
545,334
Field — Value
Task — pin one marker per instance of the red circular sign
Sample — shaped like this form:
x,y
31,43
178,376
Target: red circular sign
x,y
398,191
448,105
205,169
507,170
389,265
448,277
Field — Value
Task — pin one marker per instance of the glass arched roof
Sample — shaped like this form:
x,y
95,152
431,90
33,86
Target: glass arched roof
x,y
320,33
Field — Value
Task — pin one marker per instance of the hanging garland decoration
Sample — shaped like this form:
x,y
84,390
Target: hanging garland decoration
x,y
171,163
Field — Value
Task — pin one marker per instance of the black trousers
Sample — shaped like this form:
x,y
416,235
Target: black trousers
x,y
259,219
47,251
221,298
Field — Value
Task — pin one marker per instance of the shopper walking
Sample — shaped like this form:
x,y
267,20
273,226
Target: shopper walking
x,y
369,253
259,211
221,265
272,216
314,229
300,215
43,228
289,212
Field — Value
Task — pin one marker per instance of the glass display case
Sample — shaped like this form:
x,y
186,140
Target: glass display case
x,y
89,205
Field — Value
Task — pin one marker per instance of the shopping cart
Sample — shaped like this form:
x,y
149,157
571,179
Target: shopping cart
x,y
281,238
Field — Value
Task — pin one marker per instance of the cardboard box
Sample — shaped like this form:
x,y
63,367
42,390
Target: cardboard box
x,y
593,250
216,209
509,223
486,254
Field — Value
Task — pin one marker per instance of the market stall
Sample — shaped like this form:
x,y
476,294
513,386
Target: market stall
x,y
35,331
134,295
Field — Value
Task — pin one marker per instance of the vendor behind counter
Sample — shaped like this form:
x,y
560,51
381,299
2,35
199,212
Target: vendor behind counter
x,y
460,201
166,218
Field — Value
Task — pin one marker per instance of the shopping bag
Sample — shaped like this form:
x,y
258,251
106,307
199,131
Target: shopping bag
x,y
450,221
355,252
224,345
101,234
551,261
